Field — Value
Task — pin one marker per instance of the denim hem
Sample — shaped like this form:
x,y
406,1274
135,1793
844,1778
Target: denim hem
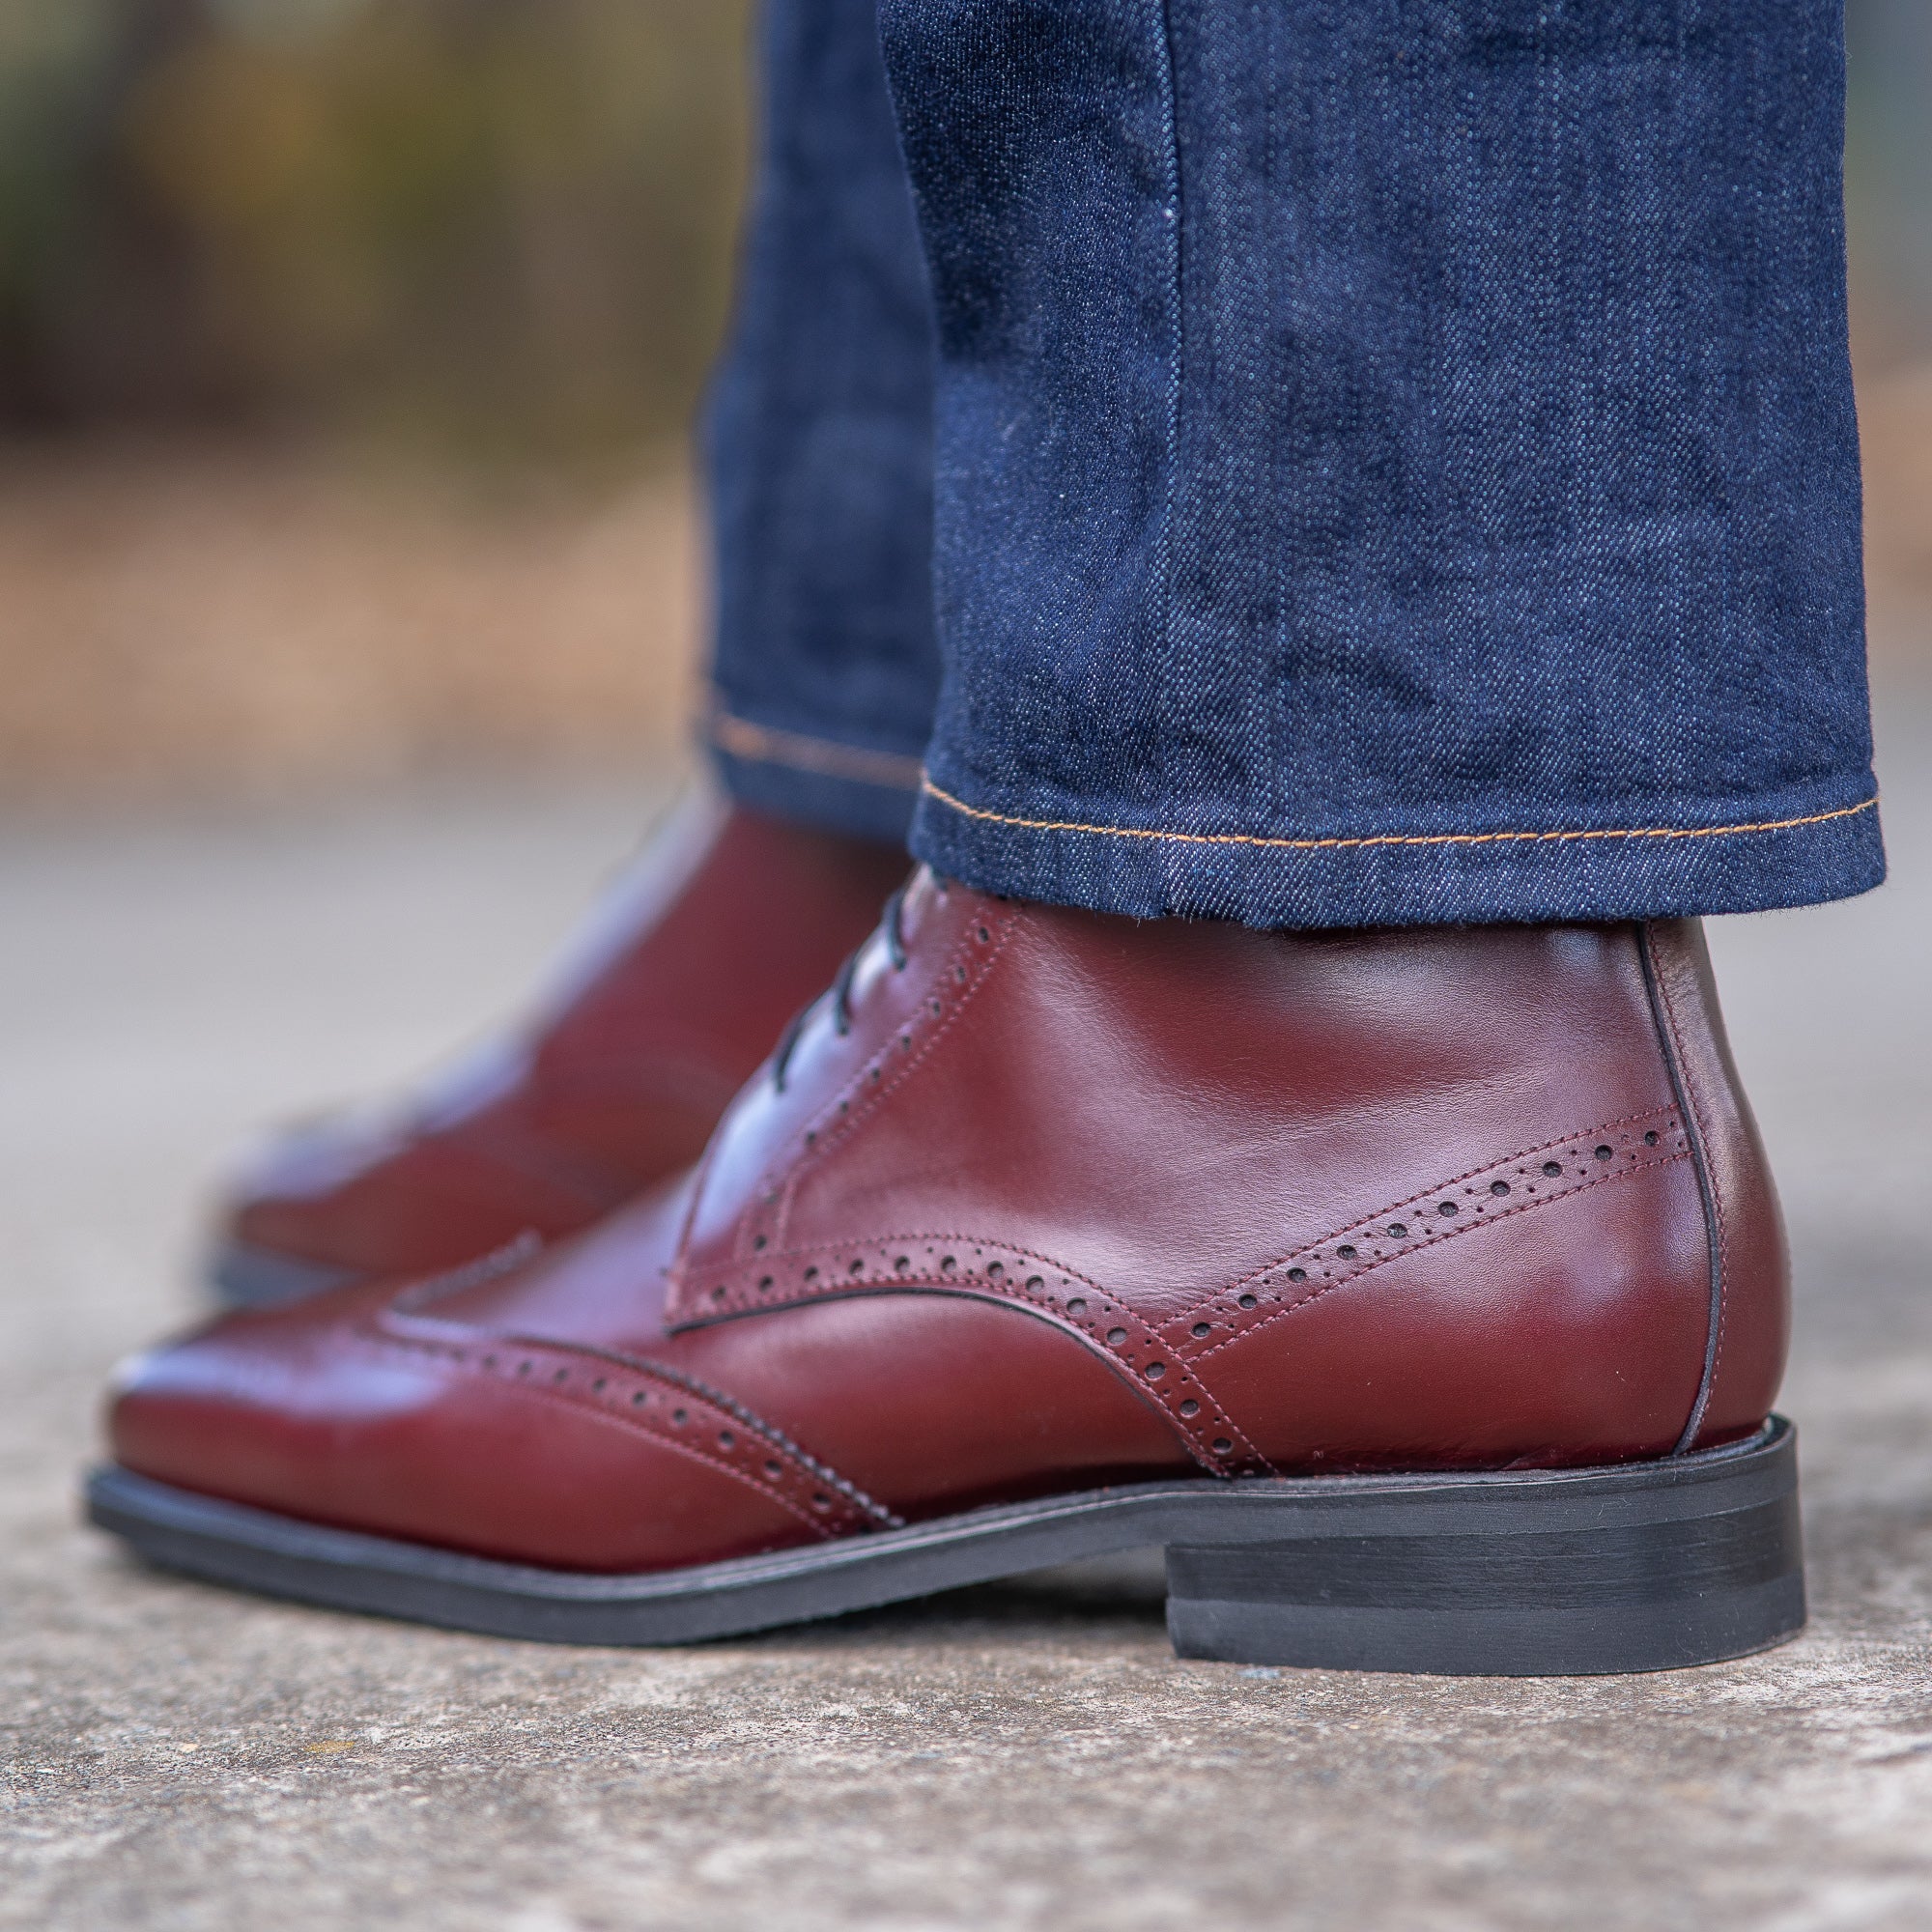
x,y
1652,872
820,782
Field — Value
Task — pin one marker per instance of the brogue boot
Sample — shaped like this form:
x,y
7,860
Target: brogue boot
x,y
675,992
1422,1291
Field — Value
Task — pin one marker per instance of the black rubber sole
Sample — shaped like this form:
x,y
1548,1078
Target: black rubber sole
x,y
1647,1566
255,1278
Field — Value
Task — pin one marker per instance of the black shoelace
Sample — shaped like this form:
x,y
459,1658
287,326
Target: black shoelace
x,y
842,988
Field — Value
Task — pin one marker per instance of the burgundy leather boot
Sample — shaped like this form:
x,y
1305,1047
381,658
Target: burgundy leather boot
x,y
697,959
1422,1291
692,967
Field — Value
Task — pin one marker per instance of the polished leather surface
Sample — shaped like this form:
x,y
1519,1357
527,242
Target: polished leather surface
x,y
1749,1334
704,953
1056,1199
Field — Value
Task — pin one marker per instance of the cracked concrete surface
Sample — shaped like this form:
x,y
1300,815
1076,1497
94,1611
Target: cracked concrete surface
x,y
1028,1755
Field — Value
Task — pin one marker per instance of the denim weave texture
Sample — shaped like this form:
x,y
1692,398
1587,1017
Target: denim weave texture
x,y
819,448
1391,461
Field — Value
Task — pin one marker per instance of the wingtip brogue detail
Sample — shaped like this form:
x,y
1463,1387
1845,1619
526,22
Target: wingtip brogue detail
x,y
674,1410
1519,1184
1151,1363
1435,1066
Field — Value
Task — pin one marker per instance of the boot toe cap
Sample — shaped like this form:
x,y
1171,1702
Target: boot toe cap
x,y
318,1414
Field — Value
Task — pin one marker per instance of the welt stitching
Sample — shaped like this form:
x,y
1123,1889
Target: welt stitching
x,y
1409,1201
1258,840
1441,1241
1709,1167
859,1501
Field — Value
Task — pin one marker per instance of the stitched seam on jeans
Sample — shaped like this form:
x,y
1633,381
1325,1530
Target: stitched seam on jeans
x,y
1256,839
823,757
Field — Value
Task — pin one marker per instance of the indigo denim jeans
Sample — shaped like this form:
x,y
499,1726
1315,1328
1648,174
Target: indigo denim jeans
x,y
1307,461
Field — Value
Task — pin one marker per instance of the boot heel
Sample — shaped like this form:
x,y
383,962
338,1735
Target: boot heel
x,y
1521,1574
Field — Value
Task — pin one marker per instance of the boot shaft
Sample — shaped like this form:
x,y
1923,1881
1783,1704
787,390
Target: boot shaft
x,y
1396,1199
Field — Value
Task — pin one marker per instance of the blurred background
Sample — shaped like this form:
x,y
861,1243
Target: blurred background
x,y
348,354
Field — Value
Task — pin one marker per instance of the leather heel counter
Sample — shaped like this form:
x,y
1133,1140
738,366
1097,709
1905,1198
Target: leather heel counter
x,y
1570,1332
1749,1324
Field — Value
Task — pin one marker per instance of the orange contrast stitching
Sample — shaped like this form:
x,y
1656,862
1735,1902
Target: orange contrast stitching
x,y
761,745
946,798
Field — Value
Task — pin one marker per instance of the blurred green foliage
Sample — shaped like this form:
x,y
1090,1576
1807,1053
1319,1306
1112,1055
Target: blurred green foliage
x,y
502,226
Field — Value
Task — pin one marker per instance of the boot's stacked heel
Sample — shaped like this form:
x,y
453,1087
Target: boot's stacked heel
x,y
1648,1567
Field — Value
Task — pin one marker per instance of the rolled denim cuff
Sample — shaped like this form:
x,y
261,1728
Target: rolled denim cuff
x,y
1393,465
1782,853
857,789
